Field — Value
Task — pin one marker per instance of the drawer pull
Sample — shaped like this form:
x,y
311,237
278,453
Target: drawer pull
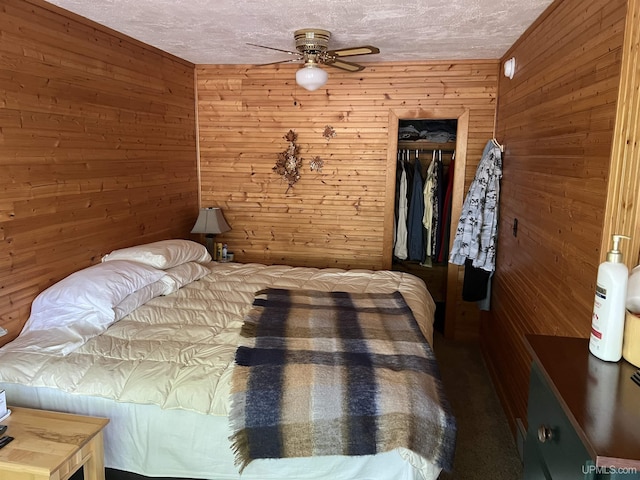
x,y
544,433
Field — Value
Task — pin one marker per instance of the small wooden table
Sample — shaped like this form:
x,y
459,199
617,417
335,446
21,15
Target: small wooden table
x,y
52,446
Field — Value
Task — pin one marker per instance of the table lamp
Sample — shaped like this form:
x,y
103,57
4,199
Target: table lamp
x,y
210,221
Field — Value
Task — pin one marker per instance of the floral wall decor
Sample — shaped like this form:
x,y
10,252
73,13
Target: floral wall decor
x,y
329,132
289,164
316,164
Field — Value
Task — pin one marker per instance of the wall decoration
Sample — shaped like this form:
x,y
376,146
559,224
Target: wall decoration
x,y
329,132
316,164
289,164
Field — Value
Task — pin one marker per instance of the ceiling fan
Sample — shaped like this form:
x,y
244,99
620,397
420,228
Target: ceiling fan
x,y
312,49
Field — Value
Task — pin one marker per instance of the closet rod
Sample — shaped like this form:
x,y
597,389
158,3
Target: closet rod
x,y
427,150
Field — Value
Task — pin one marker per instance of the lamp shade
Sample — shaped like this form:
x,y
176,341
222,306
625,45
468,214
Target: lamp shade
x,y
210,220
311,77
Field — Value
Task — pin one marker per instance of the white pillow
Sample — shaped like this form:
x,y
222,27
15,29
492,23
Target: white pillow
x,y
179,276
96,290
163,254
139,298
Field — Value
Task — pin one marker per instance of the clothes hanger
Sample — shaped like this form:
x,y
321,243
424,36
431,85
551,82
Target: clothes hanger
x,y
495,142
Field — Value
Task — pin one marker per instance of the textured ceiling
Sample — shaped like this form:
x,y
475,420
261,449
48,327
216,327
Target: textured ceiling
x,y
216,31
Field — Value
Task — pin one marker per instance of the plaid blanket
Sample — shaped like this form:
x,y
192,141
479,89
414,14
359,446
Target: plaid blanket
x,y
335,373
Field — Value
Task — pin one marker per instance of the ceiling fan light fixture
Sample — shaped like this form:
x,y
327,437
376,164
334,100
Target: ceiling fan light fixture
x,y
311,77
312,48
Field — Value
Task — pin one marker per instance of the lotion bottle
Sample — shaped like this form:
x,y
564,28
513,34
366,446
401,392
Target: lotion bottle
x,y
607,324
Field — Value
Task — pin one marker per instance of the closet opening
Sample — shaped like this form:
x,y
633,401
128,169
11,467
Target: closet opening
x,y
426,154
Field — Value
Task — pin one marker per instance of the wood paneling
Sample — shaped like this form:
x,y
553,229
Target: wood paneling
x,y
333,218
342,217
97,148
623,201
556,118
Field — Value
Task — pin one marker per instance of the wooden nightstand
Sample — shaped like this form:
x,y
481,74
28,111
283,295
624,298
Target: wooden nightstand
x,y
52,445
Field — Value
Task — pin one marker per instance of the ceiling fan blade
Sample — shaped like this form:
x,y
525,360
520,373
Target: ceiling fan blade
x,y
349,52
291,60
276,49
343,65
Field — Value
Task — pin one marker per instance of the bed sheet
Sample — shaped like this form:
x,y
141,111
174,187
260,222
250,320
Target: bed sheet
x,y
178,428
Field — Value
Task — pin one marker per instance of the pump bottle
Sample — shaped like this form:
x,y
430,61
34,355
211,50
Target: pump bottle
x,y
607,324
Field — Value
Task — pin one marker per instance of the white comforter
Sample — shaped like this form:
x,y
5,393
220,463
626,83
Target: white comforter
x,y
177,351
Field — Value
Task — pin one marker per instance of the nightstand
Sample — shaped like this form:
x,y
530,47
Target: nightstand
x,y
52,445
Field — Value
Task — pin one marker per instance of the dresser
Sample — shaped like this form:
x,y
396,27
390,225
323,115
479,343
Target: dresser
x,y
583,414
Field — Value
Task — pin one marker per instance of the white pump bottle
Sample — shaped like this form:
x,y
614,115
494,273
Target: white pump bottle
x,y
607,324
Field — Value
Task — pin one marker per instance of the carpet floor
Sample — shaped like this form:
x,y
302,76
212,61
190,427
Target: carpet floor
x,y
485,447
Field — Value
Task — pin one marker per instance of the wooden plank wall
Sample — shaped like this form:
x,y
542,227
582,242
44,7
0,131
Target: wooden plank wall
x,y
97,148
556,118
335,218
622,214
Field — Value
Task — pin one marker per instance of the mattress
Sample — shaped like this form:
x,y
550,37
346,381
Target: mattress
x,y
161,375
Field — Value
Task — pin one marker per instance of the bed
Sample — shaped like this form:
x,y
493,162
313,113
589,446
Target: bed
x,y
158,360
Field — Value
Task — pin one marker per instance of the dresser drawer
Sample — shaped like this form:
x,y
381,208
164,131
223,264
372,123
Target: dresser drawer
x,y
553,448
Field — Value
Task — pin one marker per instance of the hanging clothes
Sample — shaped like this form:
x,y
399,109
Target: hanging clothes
x,y
400,248
445,224
415,230
396,200
475,285
410,172
428,217
477,232
437,171
440,193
